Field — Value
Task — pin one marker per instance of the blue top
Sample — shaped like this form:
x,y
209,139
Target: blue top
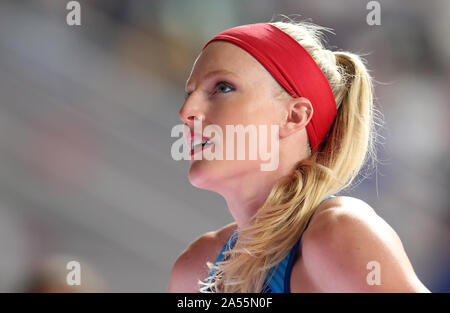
x,y
280,282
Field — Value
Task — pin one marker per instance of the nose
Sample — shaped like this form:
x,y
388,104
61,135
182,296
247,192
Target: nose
x,y
190,113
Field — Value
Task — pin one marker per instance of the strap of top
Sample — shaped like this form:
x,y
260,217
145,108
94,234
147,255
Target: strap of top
x,y
278,279
228,246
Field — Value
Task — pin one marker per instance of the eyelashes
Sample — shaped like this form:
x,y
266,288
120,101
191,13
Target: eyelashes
x,y
221,83
226,84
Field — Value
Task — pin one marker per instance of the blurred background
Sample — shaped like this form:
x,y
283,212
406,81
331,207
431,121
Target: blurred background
x,y
86,111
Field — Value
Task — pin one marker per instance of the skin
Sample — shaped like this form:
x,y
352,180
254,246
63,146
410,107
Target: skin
x,y
344,234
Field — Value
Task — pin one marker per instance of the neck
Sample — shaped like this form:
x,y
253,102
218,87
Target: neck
x,y
243,206
245,194
248,194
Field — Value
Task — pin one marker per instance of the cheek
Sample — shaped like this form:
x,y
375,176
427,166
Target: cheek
x,y
248,110
245,111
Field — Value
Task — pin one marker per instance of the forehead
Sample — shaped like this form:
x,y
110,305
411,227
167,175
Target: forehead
x,y
225,57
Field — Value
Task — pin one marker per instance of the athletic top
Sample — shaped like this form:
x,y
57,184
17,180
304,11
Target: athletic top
x,y
278,279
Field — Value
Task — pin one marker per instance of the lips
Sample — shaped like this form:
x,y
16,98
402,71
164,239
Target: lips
x,y
198,143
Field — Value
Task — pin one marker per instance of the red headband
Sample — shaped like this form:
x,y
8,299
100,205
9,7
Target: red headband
x,y
294,69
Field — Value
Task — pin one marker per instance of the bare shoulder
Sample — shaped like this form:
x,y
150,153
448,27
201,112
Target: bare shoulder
x,y
350,243
190,265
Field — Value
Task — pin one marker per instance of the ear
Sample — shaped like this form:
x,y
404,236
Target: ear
x,y
299,113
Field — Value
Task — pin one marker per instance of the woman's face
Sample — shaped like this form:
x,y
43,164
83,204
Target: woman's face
x,y
227,86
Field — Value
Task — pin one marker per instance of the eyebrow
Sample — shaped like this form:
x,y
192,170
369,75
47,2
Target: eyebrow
x,y
213,74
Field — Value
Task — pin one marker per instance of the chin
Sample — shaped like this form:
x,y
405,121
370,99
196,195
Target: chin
x,y
219,175
202,174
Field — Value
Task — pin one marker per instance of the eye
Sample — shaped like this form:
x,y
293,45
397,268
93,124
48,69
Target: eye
x,y
223,86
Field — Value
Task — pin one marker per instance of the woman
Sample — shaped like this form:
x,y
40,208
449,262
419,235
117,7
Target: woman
x,y
290,233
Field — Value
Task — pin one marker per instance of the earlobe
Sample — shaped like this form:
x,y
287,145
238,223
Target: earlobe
x,y
299,113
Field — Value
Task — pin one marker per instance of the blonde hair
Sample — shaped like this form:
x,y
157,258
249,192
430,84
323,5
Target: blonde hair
x,y
278,224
